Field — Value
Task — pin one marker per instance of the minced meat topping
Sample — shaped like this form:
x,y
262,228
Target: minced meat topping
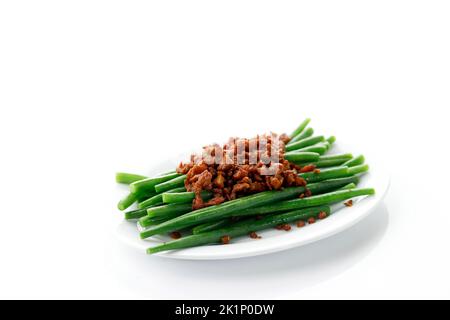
x,y
240,167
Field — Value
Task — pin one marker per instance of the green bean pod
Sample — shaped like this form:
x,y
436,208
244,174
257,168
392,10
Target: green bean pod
x,y
319,148
169,209
158,199
184,197
340,156
349,186
325,174
304,143
136,214
331,140
327,163
127,201
358,169
150,183
209,226
127,178
148,221
300,128
303,135
171,184
130,199
302,157
355,161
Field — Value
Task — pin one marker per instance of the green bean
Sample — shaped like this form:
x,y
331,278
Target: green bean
x,y
304,143
303,135
240,229
300,157
319,162
332,160
328,163
144,198
331,140
127,178
222,210
127,201
358,169
150,183
136,214
147,221
209,226
317,200
131,198
170,184
331,184
349,186
300,128
157,199
319,148
355,161
183,197
331,173
168,209
325,199
341,156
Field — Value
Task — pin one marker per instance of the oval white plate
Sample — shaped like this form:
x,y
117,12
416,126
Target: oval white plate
x,y
275,240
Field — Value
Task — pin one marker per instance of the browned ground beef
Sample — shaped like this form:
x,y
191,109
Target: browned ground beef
x,y
234,175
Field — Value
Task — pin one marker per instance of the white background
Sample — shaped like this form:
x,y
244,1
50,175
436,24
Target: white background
x,y
88,88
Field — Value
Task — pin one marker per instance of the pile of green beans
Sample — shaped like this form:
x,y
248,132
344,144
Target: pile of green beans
x,y
239,229
163,205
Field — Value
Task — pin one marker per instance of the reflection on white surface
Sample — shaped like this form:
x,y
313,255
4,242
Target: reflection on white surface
x,y
279,275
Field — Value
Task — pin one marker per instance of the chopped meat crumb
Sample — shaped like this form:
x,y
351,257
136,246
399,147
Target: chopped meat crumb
x,y
285,138
311,220
322,215
307,193
300,224
308,168
349,203
285,227
225,239
235,170
254,235
175,235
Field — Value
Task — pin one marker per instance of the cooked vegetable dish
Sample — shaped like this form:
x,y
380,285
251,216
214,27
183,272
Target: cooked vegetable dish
x,y
242,187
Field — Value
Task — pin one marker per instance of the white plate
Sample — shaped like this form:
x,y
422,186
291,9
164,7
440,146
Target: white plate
x,y
275,240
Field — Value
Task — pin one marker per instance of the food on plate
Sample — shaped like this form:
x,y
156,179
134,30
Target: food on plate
x,y
244,186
